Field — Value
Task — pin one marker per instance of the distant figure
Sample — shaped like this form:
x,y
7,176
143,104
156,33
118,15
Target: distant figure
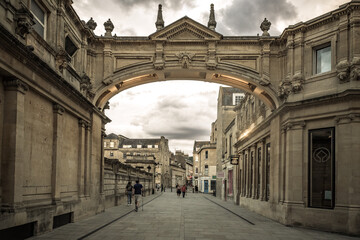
x,y
162,187
196,188
178,190
128,191
183,190
137,192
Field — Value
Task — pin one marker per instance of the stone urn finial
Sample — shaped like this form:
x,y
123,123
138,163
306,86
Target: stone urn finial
x,y
160,21
109,27
212,22
265,26
91,24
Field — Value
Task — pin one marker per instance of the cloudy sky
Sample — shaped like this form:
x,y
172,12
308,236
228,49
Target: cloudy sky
x,y
183,111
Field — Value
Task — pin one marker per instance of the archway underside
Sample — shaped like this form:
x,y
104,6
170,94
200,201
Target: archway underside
x,y
120,82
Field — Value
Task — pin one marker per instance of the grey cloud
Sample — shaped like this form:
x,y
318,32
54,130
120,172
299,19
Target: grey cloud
x,y
181,132
244,17
169,102
171,4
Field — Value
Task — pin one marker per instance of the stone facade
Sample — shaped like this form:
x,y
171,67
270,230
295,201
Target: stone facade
x,y
204,155
141,153
55,86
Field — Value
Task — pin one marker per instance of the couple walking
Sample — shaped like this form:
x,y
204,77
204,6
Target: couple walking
x,y
135,190
180,190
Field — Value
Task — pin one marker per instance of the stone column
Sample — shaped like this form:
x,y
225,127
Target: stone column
x,y
102,162
14,132
57,149
294,163
282,164
81,160
88,162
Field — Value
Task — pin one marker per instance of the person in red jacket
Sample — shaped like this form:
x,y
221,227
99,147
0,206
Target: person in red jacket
x,y
183,190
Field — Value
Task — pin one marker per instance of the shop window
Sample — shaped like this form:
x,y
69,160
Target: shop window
x,y
322,59
39,17
267,178
321,168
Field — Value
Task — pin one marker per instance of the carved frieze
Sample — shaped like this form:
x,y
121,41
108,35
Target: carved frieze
x,y
24,21
185,59
355,69
295,85
62,59
343,71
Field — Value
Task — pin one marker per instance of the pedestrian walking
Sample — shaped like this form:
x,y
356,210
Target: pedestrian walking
x,y
162,187
128,191
178,190
138,192
183,190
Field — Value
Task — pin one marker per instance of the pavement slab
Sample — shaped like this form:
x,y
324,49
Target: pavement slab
x,y
195,217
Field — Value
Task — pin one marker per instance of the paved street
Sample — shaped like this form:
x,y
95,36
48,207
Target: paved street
x,y
197,216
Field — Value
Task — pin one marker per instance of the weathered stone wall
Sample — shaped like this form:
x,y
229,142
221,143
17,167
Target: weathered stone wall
x,y
116,177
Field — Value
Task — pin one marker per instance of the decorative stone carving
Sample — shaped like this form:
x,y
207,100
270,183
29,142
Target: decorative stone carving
x,y
284,89
91,24
62,59
251,86
265,27
107,105
15,84
24,21
159,21
343,71
212,22
109,27
185,59
297,82
85,83
58,109
355,69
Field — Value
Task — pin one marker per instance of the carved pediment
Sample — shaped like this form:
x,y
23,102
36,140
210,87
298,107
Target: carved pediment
x,y
185,29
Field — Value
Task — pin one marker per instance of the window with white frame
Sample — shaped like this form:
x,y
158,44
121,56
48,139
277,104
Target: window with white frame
x,y
39,17
322,59
149,146
237,97
112,144
138,146
156,146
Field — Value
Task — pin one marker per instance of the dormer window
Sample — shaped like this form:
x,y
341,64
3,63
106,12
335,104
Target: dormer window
x,y
70,47
39,17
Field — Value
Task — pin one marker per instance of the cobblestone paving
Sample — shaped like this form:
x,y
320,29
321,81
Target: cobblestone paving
x,y
194,217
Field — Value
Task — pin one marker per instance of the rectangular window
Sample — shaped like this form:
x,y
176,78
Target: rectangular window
x,y
206,154
126,146
138,146
112,144
149,146
230,179
230,145
323,59
156,146
197,170
267,178
251,172
206,170
213,185
321,168
258,173
104,144
39,17
111,154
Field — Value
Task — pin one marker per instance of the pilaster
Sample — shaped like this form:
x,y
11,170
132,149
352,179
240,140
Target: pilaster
x,y
14,132
82,161
58,138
